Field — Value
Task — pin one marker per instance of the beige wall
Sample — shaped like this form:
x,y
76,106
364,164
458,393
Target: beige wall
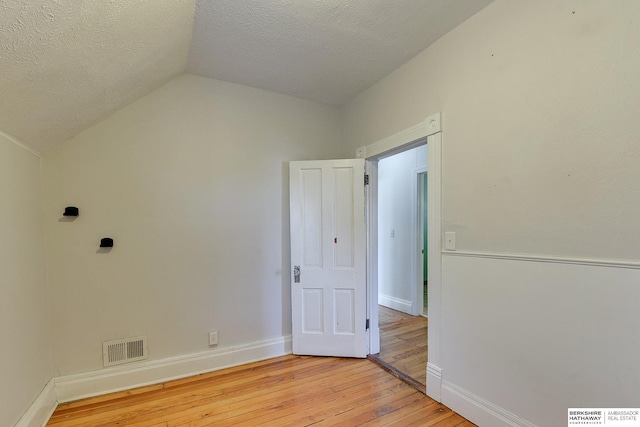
x,y
26,347
540,120
540,110
191,183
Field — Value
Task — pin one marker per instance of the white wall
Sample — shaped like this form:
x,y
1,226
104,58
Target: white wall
x,y
540,153
537,338
191,183
25,352
534,97
397,209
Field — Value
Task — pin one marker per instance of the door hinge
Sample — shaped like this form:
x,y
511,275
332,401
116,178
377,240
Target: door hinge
x,y
366,179
366,325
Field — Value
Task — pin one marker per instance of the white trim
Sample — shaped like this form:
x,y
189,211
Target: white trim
x,y
479,410
399,141
434,256
39,412
395,303
371,208
79,386
547,258
19,143
417,261
434,382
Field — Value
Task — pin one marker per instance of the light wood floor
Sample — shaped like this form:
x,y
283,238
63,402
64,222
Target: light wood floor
x,y
285,391
403,346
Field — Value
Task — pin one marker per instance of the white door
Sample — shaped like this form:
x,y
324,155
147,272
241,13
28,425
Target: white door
x,y
328,243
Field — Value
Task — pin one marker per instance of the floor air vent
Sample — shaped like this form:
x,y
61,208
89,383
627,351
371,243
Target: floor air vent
x,y
124,351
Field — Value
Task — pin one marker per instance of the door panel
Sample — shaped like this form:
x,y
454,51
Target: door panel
x,y
328,244
312,311
343,203
312,217
344,322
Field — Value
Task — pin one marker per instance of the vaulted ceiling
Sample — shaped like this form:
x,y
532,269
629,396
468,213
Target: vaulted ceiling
x,y
65,65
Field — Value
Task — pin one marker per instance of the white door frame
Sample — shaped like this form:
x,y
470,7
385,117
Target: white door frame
x,y
419,204
429,130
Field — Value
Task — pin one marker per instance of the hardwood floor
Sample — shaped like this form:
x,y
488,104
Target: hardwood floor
x,y
403,346
285,391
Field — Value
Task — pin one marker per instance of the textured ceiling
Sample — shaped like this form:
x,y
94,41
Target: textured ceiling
x,y
327,51
65,65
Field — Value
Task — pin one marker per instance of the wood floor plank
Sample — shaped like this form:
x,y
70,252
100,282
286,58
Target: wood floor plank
x,y
377,409
285,391
403,345
453,421
252,406
235,402
347,402
293,409
232,401
425,418
421,403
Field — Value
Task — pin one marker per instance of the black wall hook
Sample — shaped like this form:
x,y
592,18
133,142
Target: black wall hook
x,y
71,211
106,242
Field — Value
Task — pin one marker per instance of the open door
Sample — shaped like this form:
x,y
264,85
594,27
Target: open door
x,y
328,258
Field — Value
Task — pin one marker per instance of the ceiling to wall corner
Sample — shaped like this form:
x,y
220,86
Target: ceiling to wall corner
x,y
65,65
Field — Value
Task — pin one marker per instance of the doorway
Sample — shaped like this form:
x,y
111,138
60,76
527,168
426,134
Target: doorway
x,y
401,266
429,132
400,230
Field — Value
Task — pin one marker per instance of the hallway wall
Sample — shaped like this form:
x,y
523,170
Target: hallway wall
x,y
397,210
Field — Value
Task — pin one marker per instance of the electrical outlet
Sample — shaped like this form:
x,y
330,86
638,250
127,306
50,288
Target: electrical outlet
x,y
213,338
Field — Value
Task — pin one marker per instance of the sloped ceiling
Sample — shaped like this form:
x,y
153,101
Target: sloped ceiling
x,y
327,51
65,65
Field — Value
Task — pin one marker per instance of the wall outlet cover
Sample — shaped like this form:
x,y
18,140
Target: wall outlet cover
x,y
213,338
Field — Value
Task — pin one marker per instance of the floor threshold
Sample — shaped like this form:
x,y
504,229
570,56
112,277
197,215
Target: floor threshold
x,y
398,374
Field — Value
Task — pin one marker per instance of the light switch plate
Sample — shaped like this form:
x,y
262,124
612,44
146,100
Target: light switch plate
x,y
450,241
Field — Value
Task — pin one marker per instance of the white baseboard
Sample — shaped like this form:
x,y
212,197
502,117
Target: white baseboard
x,y
41,409
395,303
79,386
434,382
478,410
